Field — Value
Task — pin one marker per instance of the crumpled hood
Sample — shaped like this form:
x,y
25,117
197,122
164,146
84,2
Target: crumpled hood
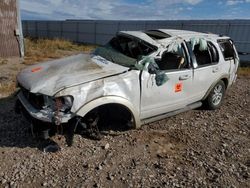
x,y
50,77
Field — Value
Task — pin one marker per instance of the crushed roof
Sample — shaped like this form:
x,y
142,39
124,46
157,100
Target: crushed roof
x,y
170,34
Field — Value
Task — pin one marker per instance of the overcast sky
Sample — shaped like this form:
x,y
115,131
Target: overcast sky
x,y
134,9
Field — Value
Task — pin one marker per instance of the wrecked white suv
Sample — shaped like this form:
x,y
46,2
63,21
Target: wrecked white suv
x,y
138,77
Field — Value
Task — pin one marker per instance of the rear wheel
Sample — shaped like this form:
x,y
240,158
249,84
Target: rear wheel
x,y
215,97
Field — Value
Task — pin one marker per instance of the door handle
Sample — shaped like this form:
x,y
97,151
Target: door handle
x,y
184,77
216,69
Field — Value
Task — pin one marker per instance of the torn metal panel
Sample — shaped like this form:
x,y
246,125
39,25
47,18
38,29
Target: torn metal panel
x,y
46,115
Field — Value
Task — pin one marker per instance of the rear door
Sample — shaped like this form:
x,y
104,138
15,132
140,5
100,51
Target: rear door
x,y
207,68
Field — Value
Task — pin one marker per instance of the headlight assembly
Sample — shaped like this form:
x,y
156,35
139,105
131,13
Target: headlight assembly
x,y
64,103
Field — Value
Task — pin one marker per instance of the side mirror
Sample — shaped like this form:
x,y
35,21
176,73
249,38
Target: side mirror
x,y
152,68
160,76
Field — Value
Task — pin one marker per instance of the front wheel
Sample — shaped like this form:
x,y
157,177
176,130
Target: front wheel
x,y
215,97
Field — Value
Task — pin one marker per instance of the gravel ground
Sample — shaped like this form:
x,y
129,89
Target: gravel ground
x,y
194,149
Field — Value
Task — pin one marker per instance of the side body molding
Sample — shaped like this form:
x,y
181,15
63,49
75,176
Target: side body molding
x,y
111,100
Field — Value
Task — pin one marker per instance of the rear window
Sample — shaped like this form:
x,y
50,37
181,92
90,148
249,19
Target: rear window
x,y
227,49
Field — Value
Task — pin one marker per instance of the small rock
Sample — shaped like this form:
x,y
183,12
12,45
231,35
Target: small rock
x,y
4,181
99,167
110,177
12,183
96,185
52,148
106,146
44,184
224,145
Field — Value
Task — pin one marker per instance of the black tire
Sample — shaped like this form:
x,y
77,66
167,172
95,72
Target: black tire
x,y
215,97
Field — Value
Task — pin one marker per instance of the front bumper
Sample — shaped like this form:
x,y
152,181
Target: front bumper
x,y
43,114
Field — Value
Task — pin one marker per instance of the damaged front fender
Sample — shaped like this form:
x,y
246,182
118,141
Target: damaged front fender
x,y
111,100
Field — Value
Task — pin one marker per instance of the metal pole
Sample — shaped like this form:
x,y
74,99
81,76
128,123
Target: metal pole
x,y
48,29
61,29
95,32
77,31
228,29
27,28
36,32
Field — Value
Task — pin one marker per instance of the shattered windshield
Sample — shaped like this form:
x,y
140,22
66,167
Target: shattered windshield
x,y
113,55
124,51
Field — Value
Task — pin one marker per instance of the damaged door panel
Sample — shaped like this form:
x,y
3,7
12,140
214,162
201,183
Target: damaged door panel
x,y
136,78
176,91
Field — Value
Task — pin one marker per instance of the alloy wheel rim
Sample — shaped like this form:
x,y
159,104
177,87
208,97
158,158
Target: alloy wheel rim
x,y
217,96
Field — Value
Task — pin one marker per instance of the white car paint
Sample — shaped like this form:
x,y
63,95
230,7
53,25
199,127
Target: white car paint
x,y
93,81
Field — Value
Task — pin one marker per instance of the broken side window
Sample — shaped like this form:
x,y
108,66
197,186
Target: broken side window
x,y
227,49
206,56
213,52
170,61
173,59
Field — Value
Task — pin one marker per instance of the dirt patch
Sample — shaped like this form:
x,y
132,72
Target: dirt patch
x,y
198,148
